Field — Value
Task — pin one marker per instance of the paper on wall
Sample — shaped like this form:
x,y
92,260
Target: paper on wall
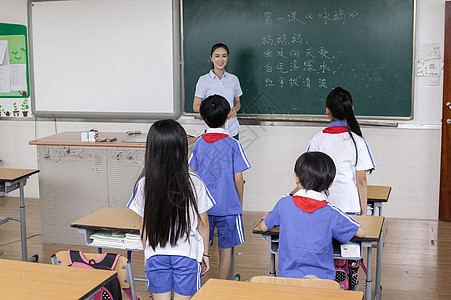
x,y
18,77
5,83
4,52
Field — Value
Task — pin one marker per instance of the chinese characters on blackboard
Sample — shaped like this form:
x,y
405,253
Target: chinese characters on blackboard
x,y
291,61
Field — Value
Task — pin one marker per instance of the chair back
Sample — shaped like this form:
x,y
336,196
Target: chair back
x,y
302,282
62,258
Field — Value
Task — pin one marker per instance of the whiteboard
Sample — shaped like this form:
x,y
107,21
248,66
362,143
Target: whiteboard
x,y
104,59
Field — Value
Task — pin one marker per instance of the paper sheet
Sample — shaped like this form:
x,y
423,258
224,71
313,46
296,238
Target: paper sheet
x,y
3,51
18,77
5,83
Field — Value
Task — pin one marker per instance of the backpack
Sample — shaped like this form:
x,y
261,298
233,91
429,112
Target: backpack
x,y
111,291
346,272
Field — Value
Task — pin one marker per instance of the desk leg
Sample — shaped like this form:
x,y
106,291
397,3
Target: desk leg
x,y
368,287
378,268
23,223
232,266
130,274
272,259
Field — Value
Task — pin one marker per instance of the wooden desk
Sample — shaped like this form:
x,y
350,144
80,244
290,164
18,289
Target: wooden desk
x,y
373,227
377,194
112,219
25,280
230,290
10,180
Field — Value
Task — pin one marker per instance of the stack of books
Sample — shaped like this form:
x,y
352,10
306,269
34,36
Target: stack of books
x,y
116,239
133,241
107,239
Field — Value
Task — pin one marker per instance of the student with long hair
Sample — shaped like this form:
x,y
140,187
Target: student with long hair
x,y
222,83
342,140
173,204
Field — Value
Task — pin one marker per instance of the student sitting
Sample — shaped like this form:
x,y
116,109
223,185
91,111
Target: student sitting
x,y
220,160
308,222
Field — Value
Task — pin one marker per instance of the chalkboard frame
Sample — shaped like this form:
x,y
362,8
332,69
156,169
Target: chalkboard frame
x,y
255,118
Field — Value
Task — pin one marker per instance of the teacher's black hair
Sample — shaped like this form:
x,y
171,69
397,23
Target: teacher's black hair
x,y
216,46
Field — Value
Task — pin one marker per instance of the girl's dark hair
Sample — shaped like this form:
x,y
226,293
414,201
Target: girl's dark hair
x,y
168,191
216,46
339,103
316,171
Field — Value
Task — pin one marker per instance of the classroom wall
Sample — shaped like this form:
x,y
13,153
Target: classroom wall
x,y
407,157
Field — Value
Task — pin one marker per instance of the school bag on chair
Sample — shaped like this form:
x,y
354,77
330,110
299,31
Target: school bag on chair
x,y
118,265
111,291
346,272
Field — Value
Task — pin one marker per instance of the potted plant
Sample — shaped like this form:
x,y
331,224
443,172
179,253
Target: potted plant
x,y
15,111
1,110
25,107
7,113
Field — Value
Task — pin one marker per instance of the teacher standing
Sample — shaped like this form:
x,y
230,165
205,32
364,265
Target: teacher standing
x,y
222,83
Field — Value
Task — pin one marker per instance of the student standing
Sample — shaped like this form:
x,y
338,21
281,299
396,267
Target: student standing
x,y
220,82
173,204
342,140
308,222
220,160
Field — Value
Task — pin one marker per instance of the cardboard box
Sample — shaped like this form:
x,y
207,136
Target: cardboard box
x,y
350,249
89,135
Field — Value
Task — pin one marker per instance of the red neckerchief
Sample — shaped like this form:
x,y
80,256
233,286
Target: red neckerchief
x,y
335,129
308,205
213,137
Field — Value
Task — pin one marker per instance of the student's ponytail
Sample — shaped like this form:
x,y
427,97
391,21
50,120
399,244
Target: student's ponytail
x,y
339,103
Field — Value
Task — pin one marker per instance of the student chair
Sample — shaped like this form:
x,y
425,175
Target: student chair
x,y
302,282
62,258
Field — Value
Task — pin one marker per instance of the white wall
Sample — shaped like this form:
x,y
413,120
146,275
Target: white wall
x,y
407,158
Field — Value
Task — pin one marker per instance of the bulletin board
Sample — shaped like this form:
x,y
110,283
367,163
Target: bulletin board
x,y
14,78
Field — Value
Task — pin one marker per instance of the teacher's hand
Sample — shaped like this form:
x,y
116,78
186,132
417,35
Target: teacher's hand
x,y
233,112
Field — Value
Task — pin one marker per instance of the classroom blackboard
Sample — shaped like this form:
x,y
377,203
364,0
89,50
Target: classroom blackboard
x,y
290,54
13,61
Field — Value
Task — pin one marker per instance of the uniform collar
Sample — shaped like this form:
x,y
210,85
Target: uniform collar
x,y
309,201
311,194
214,134
338,123
213,75
336,127
217,130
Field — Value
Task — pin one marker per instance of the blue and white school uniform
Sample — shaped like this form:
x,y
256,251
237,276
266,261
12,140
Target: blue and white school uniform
x,y
228,87
217,158
307,225
336,142
176,268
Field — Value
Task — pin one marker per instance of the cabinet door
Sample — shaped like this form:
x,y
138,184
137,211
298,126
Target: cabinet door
x,y
124,167
73,183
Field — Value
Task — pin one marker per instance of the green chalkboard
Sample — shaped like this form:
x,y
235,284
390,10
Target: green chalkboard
x,y
14,79
289,54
